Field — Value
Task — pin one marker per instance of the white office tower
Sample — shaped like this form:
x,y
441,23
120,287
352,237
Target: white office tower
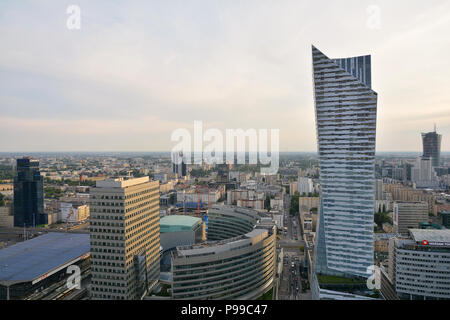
x,y
409,215
423,174
379,189
346,113
125,242
305,186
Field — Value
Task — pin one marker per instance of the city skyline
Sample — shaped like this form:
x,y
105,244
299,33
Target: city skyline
x,y
131,75
189,154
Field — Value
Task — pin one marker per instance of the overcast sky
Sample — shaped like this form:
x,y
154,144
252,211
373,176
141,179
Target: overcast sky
x,y
137,70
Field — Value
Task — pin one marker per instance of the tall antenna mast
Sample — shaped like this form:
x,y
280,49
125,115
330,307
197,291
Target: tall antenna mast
x,y
435,128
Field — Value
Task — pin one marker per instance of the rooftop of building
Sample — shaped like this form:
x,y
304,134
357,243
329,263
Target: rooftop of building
x,y
37,257
385,236
220,246
120,182
432,236
175,223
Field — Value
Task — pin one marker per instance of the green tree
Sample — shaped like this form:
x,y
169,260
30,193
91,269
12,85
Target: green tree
x,y
381,217
294,203
267,203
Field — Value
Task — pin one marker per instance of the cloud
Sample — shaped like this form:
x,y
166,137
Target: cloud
x,y
231,64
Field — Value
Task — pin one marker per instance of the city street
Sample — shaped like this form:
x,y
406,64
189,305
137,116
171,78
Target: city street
x,y
290,282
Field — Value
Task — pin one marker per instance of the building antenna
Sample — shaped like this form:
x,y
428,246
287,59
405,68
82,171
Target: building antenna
x,y
435,128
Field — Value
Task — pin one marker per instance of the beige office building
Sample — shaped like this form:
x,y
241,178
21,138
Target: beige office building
x,y
408,215
6,217
125,243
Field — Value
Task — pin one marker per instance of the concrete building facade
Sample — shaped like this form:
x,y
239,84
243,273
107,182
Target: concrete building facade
x,y
125,239
419,265
408,215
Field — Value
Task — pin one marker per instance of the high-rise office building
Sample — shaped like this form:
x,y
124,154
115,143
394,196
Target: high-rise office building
x,y
346,112
28,194
379,189
432,147
418,266
423,173
407,171
408,215
178,164
125,241
305,186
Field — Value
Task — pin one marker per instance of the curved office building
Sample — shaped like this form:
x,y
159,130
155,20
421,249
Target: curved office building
x,y
226,222
240,267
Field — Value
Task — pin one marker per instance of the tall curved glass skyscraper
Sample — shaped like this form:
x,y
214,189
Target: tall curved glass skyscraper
x,y
346,113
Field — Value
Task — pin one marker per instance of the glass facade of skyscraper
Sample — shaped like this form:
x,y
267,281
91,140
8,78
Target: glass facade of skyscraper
x,y
346,112
432,147
28,194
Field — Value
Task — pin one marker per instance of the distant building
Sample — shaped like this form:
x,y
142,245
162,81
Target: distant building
x,y
125,238
223,171
243,194
305,186
257,204
293,188
178,164
399,192
408,215
162,177
308,203
445,219
407,169
82,198
423,174
206,195
6,217
73,212
432,147
28,194
167,187
379,189
277,204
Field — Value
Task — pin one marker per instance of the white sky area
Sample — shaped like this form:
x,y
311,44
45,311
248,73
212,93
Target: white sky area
x,y
137,70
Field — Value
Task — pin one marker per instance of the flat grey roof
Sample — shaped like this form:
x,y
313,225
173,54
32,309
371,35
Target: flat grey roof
x,y
430,235
31,259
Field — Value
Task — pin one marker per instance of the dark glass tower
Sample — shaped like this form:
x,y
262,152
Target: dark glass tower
x,y
178,164
222,172
432,147
28,194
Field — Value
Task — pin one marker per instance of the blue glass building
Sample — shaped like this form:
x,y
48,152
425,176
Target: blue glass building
x,y
28,194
